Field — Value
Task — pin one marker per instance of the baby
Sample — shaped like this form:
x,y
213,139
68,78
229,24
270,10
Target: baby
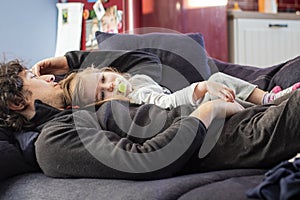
x,y
93,85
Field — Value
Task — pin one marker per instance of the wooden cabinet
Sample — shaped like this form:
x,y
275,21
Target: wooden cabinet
x,y
262,39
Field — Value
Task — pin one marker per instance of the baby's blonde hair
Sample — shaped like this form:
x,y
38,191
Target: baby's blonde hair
x,y
73,86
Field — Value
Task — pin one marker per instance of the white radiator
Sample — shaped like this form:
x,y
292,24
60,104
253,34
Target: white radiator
x,y
265,42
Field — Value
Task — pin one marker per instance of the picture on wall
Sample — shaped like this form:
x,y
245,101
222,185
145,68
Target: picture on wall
x,y
103,19
109,21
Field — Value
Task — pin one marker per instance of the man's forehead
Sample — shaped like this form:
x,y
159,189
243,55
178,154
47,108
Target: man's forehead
x,y
23,73
27,71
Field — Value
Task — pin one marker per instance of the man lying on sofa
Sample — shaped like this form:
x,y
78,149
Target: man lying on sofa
x,y
21,110
17,147
253,151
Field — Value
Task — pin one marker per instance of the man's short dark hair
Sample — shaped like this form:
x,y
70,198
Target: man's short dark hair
x,y
11,91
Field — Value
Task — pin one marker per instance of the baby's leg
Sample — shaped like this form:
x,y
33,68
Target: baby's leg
x,y
272,96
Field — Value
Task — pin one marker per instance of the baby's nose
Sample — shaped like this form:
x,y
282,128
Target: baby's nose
x,y
110,87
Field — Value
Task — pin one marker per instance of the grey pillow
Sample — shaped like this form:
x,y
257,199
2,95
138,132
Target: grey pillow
x,y
288,74
183,56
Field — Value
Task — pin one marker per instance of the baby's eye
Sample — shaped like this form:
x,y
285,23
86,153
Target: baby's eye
x,y
102,95
102,79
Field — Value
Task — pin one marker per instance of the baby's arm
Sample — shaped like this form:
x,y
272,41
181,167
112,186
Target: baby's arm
x,y
146,90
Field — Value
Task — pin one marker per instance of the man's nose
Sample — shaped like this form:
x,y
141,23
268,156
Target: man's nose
x,y
48,78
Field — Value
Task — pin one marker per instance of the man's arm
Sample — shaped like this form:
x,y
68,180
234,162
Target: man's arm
x,y
112,150
134,62
55,66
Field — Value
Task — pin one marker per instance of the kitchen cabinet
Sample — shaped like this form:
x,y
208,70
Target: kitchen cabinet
x,y
263,39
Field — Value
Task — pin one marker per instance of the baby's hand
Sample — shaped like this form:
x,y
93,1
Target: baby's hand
x,y
220,90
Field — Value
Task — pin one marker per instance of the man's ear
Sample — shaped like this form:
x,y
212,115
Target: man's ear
x,y
15,106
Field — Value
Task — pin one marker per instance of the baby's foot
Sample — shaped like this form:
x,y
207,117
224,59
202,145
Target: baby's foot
x,y
276,89
286,91
277,92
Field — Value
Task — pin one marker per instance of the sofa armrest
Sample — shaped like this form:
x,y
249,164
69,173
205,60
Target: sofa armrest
x,y
259,76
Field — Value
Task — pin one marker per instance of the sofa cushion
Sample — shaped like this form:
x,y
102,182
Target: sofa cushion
x,y
38,186
252,74
233,188
183,55
288,74
284,74
13,160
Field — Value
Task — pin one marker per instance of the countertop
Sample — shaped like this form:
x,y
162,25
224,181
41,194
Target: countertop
x,y
258,15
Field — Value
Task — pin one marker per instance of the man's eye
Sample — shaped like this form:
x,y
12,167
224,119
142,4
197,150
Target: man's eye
x,y
31,76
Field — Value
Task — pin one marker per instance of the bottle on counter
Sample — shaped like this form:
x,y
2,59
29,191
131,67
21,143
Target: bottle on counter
x,y
267,6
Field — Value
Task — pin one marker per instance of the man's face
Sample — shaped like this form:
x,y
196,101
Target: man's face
x,y
43,88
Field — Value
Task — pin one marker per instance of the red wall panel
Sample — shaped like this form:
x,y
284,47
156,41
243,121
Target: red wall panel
x,y
211,22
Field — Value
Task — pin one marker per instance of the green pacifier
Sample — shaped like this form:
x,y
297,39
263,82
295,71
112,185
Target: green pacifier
x,y
122,88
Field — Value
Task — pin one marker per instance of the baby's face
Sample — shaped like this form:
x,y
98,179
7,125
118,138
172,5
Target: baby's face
x,y
104,85
109,24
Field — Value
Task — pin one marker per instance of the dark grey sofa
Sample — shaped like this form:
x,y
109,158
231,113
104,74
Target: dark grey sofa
x,y
229,184
218,185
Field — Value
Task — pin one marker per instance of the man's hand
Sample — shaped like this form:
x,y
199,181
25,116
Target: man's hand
x,y
55,65
216,109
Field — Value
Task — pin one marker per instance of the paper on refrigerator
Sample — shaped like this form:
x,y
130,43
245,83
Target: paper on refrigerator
x,y
69,27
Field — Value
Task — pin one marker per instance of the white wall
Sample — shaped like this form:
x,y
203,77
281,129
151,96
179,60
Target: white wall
x,y
27,30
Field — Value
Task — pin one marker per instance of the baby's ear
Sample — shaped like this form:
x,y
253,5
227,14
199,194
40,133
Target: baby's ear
x,y
15,106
